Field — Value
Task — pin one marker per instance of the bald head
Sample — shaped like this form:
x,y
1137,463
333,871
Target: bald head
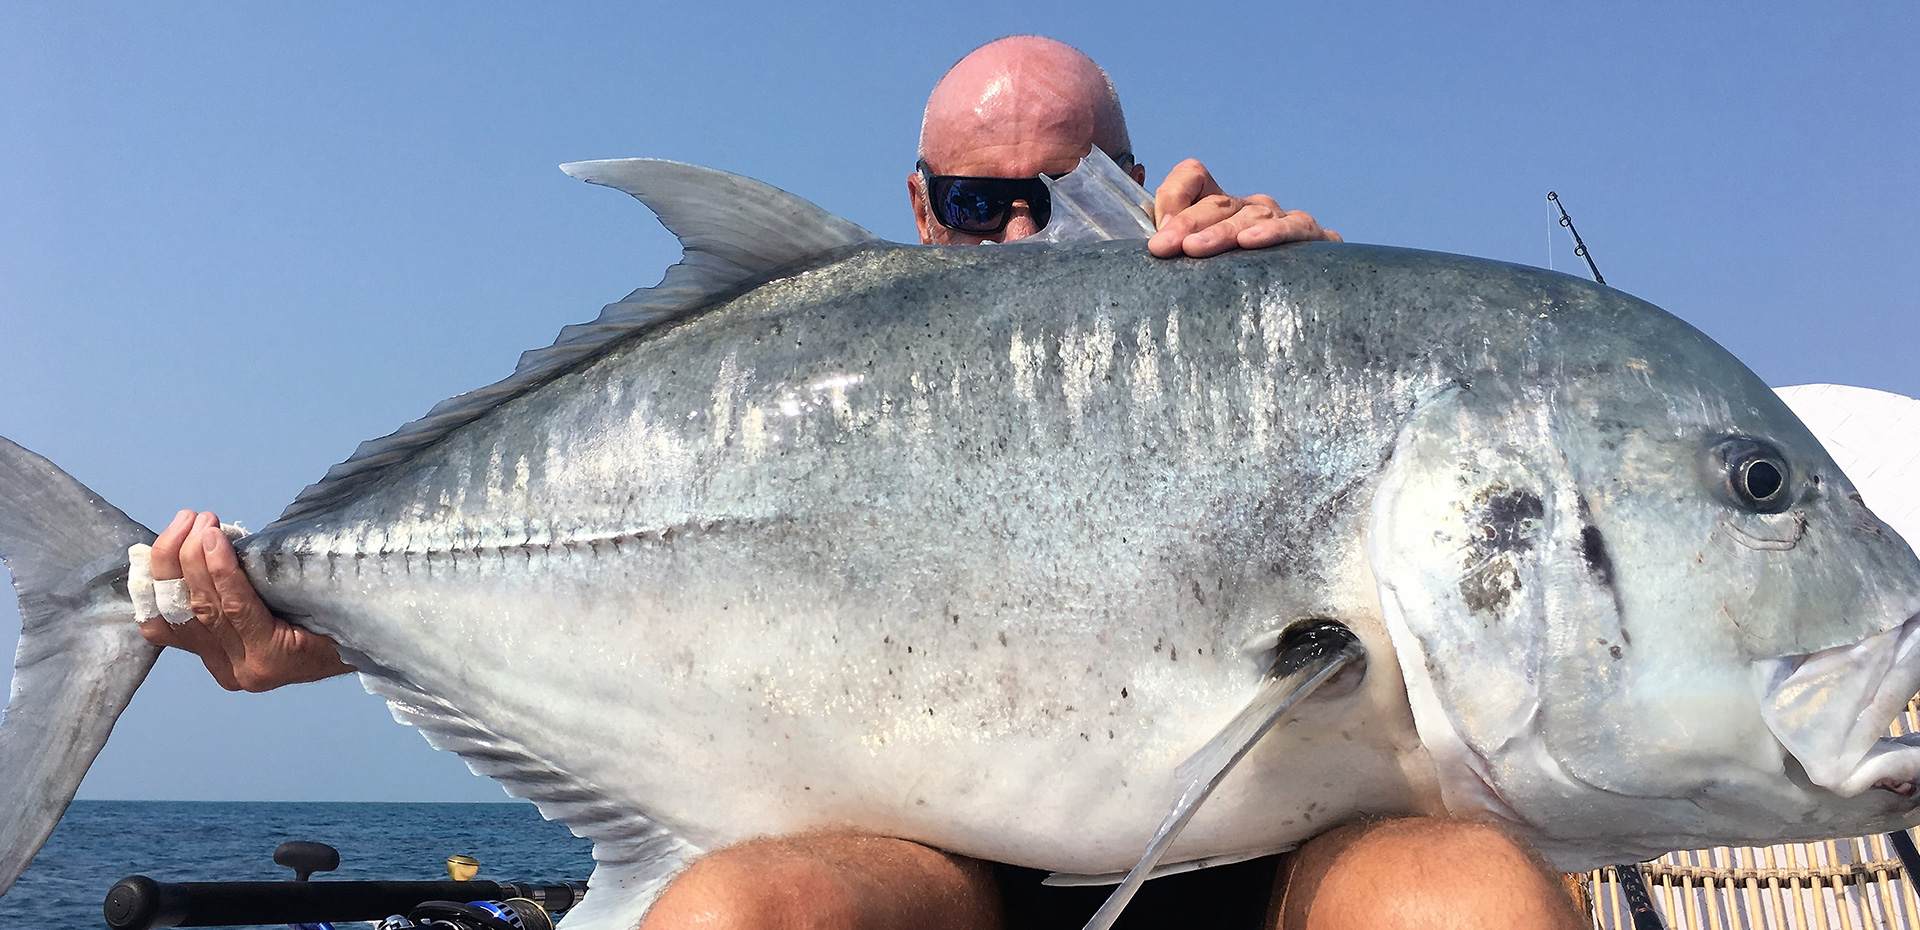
x,y
1016,107
1021,106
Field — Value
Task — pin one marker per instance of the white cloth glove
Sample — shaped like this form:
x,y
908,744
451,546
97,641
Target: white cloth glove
x,y
140,582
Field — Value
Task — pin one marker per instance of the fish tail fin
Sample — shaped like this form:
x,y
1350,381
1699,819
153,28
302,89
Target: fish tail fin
x,y
81,655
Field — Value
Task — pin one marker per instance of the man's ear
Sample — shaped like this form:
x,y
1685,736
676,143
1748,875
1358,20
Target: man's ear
x,y
1139,172
916,189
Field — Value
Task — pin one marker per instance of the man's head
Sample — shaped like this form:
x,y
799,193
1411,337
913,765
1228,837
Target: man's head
x,y
1016,107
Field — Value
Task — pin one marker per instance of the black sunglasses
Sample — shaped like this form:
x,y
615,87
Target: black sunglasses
x,y
982,206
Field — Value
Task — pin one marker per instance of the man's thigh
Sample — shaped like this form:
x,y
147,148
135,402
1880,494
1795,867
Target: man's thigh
x,y
829,882
1430,873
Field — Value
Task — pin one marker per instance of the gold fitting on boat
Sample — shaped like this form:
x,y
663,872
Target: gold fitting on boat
x,y
462,868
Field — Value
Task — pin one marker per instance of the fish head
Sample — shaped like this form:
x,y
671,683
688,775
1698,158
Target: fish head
x,y
1638,605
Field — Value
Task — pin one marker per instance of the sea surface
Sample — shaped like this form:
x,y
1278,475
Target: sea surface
x,y
98,843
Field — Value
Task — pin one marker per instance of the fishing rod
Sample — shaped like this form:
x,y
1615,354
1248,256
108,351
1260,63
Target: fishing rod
x,y
1579,247
140,903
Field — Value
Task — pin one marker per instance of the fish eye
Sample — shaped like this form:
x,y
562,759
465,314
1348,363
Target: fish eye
x,y
1755,474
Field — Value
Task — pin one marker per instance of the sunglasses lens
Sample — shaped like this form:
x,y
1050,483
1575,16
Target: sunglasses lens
x,y
981,205
1040,204
971,205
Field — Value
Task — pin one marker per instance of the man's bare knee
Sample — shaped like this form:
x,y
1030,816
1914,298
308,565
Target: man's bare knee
x,y
1422,872
829,882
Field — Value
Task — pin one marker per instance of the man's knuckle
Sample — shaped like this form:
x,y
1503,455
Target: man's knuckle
x,y
233,605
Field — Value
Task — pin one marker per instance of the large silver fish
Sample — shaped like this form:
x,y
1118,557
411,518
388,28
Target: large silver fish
x,y
974,546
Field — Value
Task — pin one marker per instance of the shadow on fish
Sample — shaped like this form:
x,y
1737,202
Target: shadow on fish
x,y
976,546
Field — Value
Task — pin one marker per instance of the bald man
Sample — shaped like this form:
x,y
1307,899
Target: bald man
x,y
1024,106
1013,109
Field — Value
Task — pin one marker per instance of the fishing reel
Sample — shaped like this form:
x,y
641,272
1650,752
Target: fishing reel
x,y
511,914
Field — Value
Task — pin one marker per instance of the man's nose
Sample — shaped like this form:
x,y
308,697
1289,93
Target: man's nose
x,y
1020,222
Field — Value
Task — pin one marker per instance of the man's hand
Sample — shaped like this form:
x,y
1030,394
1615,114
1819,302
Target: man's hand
x,y
243,644
1199,219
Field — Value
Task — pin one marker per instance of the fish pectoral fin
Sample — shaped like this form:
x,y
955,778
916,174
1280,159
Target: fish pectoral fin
x,y
1309,656
1081,879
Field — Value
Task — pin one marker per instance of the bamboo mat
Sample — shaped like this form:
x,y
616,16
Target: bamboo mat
x,y
1842,884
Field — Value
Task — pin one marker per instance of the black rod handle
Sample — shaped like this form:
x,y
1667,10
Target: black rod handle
x,y
140,903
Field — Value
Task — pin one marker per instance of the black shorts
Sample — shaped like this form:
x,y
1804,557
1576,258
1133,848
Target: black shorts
x,y
1226,897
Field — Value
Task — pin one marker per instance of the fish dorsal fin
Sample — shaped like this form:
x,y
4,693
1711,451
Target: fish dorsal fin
x,y
733,228
737,232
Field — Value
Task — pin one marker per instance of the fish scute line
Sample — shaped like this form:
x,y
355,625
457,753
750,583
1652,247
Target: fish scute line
x,y
299,555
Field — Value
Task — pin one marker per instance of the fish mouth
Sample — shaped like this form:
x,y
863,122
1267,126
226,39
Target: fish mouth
x,y
1831,710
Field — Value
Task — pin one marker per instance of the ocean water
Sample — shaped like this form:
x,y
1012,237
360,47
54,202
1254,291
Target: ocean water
x,y
98,843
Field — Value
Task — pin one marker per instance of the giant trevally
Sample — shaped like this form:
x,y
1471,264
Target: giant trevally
x,y
973,546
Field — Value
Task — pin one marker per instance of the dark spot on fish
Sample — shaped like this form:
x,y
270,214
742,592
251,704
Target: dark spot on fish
x,y
1159,644
1593,548
1489,588
1626,637
1196,593
888,640
1173,653
1086,737
1109,734
1123,692
1508,520
1003,637
1613,651
909,649
920,802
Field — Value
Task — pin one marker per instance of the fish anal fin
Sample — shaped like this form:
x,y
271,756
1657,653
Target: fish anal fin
x,y
634,857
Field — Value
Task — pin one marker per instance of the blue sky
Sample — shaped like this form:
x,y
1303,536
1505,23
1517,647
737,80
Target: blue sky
x,y
237,239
